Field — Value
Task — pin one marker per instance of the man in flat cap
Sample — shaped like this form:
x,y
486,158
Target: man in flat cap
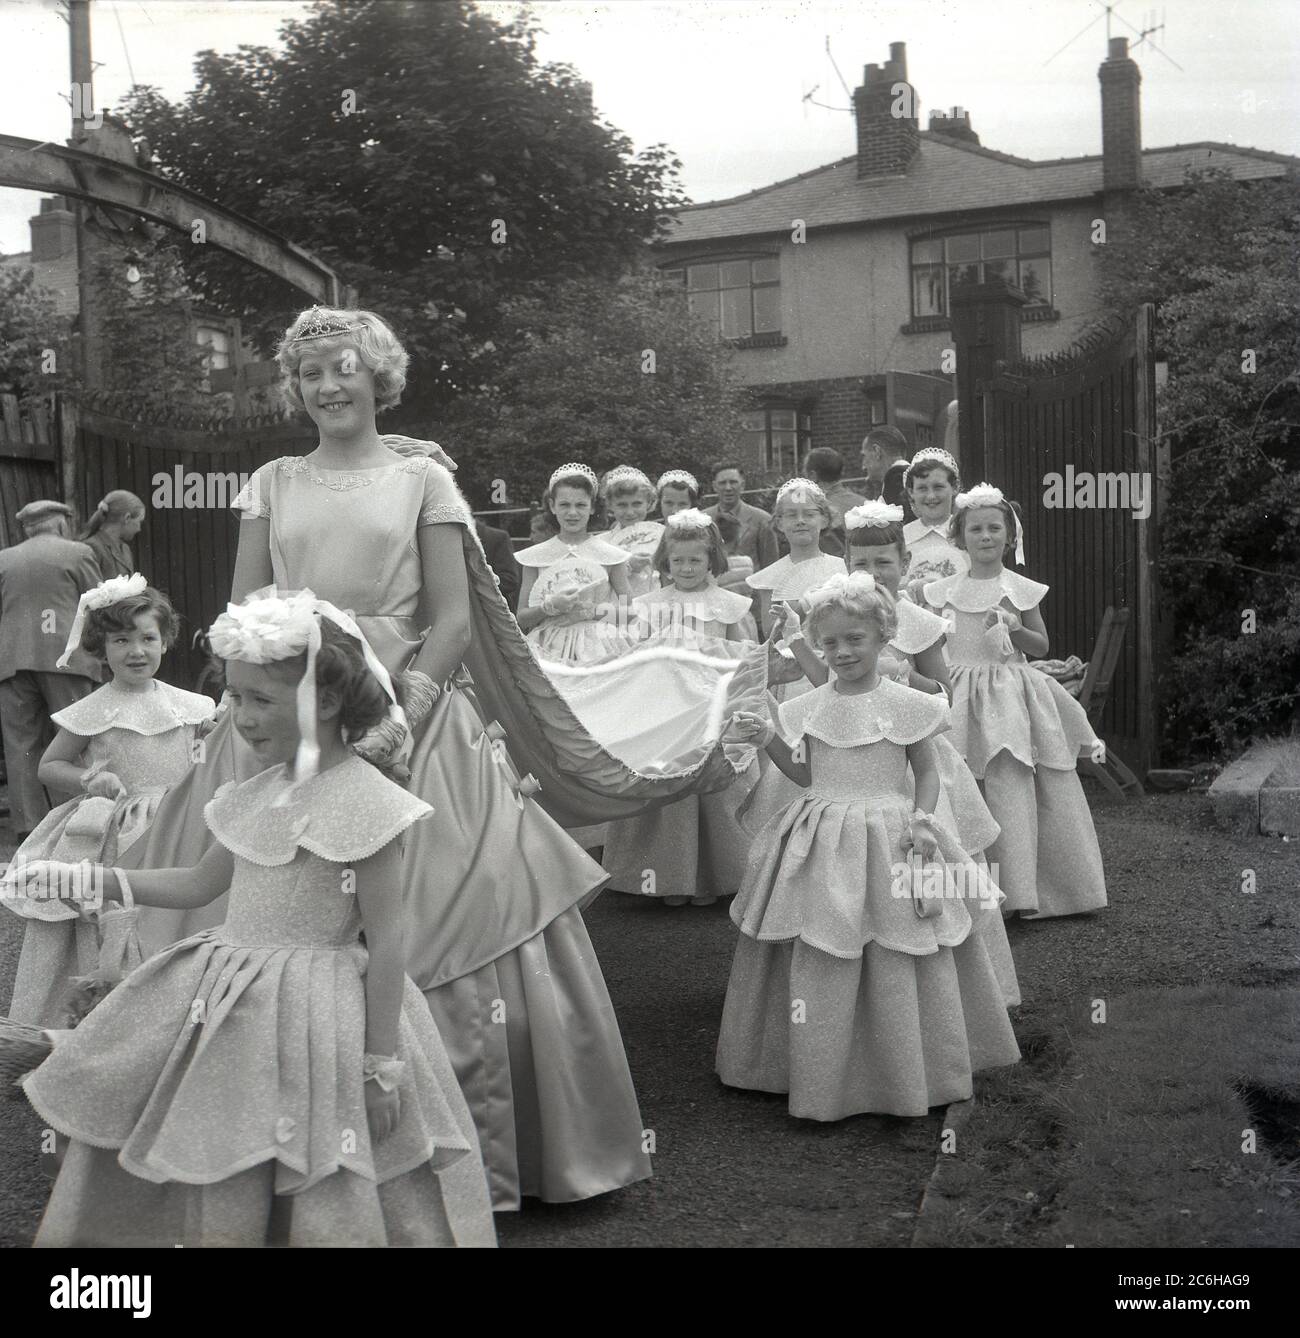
x,y
41,579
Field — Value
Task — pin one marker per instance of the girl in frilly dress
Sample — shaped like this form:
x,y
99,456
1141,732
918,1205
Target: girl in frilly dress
x,y
853,989
629,494
119,748
574,584
277,1080
1020,732
914,657
694,850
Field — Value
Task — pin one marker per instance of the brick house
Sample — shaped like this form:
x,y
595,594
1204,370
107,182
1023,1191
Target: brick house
x,y
834,285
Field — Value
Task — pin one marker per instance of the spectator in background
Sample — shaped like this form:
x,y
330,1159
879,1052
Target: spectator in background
x,y
500,554
541,525
41,580
884,461
756,539
826,468
109,531
738,565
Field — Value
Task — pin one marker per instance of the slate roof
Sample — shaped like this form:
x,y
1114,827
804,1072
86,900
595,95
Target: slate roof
x,y
946,176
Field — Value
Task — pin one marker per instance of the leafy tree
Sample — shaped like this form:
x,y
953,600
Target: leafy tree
x,y
150,362
424,152
597,371
1218,258
29,326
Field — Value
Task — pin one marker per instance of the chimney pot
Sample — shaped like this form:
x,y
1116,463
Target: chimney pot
x,y
887,142
1121,119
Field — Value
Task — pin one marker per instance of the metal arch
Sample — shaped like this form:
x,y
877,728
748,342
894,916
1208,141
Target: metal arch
x,y
27,164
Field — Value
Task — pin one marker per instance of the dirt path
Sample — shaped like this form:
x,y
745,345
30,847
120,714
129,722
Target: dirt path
x,y
732,1168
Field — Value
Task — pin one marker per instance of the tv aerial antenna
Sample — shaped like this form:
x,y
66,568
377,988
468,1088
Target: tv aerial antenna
x,y
1110,11
809,100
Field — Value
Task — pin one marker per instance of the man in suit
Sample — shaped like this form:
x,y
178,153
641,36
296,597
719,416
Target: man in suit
x,y
826,468
756,539
501,558
41,580
884,461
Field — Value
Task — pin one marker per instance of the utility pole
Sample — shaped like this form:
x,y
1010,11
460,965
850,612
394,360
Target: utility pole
x,y
84,117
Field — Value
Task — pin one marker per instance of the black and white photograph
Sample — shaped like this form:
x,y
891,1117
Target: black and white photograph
x,y
650,624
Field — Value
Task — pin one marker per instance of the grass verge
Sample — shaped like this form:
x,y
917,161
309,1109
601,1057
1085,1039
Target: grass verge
x,y
1173,1122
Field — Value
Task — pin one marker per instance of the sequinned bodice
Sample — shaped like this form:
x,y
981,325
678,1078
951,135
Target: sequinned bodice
x,y
142,762
970,642
304,903
870,771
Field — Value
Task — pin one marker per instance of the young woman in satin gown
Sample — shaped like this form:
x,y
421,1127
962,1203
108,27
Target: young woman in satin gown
x,y
376,525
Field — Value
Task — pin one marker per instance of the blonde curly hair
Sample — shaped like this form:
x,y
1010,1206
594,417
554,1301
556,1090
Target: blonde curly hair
x,y
379,348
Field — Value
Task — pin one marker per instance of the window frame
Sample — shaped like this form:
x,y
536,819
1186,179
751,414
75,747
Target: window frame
x,y
755,338
769,462
944,265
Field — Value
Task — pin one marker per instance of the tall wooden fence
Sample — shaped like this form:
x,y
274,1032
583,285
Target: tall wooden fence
x,y
187,479
29,460
1072,437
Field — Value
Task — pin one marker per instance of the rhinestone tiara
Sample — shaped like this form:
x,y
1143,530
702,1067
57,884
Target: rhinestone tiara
x,y
569,470
800,485
624,474
678,476
320,326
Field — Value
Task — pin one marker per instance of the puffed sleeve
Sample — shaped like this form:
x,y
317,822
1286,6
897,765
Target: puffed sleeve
x,y
443,503
253,502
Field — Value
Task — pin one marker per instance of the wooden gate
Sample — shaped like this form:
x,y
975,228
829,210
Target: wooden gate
x,y
187,544
1072,438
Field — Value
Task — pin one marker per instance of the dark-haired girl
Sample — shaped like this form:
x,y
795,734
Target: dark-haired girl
x,y
118,750
278,1080
1020,732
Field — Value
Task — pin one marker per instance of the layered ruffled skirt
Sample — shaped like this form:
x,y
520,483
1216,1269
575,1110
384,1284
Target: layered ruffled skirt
x,y
840,993
220,1077
496,944
1022,734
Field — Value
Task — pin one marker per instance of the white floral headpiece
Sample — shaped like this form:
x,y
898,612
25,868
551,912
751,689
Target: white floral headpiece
x,y
273,625
800,485
985,494
691,518
682,476
625,474
873,515
111,591
843,586
569,470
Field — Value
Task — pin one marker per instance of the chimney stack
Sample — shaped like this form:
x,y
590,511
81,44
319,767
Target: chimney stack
x,y
54,231
885,109
1121,119
954,124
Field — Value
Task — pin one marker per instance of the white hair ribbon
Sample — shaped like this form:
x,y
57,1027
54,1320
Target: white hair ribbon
x,y
842,586
874,515
691,518
985,494
270,625
111,591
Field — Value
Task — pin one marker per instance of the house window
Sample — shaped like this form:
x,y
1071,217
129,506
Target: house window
x,y
742,298
217,341
777,437
1020,255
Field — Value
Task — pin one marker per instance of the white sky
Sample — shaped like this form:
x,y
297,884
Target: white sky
x,y
722,81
